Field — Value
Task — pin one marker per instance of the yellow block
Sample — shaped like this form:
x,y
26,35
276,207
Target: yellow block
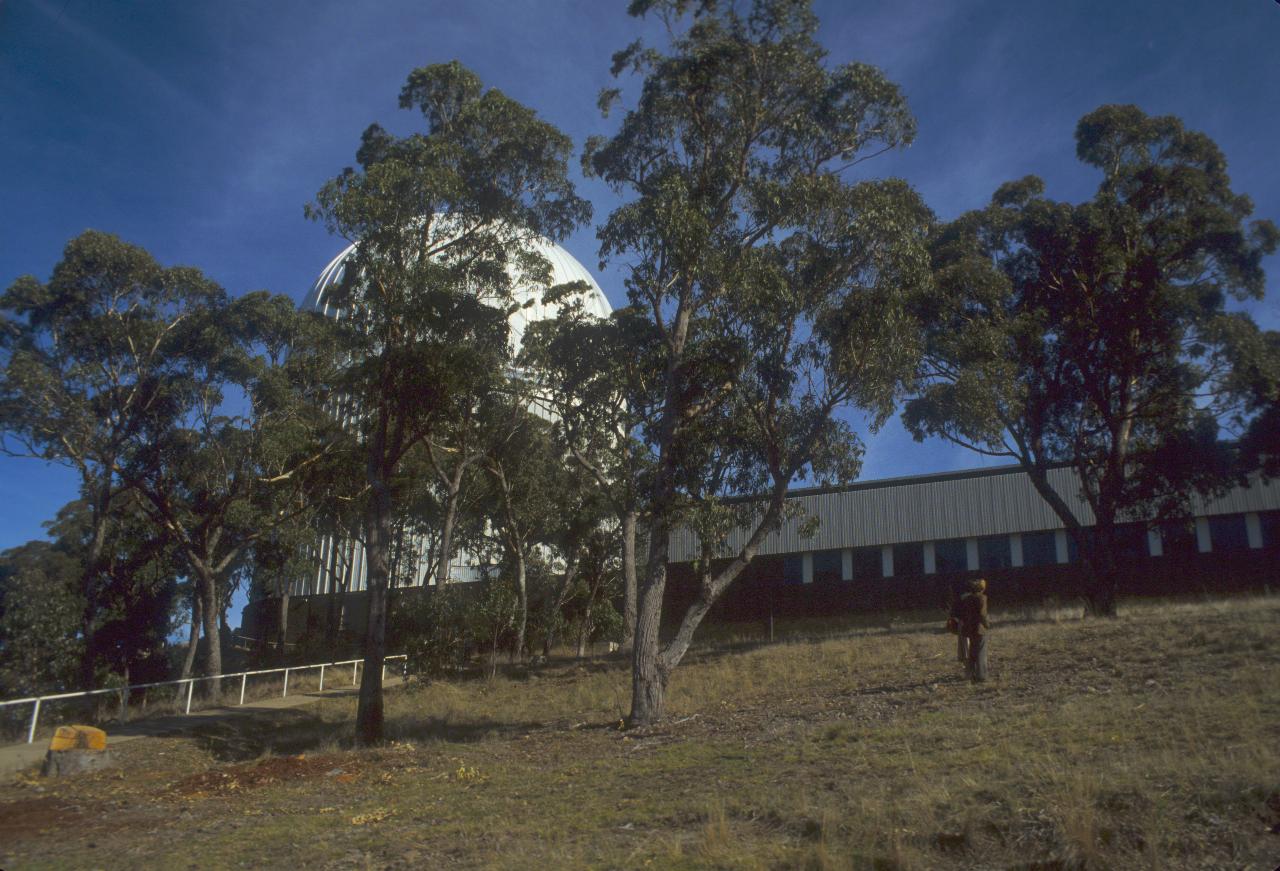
x,y
78,738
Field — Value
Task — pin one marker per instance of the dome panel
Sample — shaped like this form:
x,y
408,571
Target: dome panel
x,y
565,268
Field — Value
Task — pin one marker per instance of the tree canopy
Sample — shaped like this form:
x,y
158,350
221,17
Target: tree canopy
x,y
1099,335
777,285
446,222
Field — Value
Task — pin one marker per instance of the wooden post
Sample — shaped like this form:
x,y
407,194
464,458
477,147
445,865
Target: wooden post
x,y
286,684
243,678
321,678
191,685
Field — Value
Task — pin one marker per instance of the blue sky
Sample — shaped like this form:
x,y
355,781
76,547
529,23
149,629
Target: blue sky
x,y
199,129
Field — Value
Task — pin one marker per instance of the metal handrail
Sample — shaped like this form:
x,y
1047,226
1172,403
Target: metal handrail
x,y
36,701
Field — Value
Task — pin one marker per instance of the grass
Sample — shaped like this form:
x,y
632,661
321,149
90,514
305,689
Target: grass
x,y
1144,742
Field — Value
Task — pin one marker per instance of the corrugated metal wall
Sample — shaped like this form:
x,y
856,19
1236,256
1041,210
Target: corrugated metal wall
x,y
932,508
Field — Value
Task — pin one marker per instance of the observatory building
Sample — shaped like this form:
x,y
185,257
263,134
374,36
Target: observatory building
x,y
340,560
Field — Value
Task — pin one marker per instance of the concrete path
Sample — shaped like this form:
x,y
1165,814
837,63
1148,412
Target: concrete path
x,y
16,757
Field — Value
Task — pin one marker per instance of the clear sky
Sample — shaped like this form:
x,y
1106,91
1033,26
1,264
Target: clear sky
x,y
198,129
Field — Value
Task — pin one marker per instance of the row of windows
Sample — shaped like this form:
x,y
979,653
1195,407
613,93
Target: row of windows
x,y
1227,533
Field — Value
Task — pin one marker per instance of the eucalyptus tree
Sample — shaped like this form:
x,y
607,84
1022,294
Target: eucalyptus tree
x,y
242,448
521,463
777,284
46,644
1098,335
89,356
444,220
598,377
42,605
1258,379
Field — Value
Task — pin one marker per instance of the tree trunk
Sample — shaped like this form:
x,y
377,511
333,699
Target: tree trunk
x,y
284,624
208,587
648,673
570,572
450,519
100,521
369,713
1104,572
189,661
584,631
629,579
522,619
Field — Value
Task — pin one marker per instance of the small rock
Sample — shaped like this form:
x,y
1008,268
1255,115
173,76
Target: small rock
x,y
60,763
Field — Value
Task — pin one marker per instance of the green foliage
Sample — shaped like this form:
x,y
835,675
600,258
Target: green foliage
x,y
1098,335
432,626
41,646
191,418
54,629
445,222
778,288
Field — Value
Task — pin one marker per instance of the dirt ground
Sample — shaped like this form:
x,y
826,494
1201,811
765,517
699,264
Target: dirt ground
x,y
1147,742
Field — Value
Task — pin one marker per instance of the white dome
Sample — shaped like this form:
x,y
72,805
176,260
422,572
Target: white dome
x,y
564,269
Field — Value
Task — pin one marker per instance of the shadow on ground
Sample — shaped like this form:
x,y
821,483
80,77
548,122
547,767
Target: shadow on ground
x,y
241,737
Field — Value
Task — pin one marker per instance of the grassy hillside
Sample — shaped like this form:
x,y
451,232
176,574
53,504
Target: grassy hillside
x,y
1152,741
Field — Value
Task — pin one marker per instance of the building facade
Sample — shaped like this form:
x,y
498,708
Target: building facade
x,y
904,542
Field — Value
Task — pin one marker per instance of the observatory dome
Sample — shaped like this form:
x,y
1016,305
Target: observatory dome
x,y
564,269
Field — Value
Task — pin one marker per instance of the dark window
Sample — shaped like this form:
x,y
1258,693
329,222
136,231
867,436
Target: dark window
x,y
908,559
1131,541
792,569
826,565
1178,537
1228,533
1039,549
951,555
868,563
1270,522
1073,546
994,552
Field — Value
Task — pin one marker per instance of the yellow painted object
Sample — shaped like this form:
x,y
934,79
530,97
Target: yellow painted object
x,y
78,738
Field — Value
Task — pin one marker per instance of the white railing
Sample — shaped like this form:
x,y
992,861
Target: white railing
x,y
190,682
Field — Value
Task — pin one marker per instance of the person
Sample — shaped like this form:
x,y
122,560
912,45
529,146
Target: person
x,y
972,616
958,589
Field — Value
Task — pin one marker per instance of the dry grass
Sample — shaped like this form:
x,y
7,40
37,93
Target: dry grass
x,y
1145,742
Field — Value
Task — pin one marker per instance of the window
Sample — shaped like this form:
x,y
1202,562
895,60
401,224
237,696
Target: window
x,y
994,552
951,555
908,559
1270,522
1178,537
1228,533
1131,541
1073,545
826,566
792,569
868,563
1039,548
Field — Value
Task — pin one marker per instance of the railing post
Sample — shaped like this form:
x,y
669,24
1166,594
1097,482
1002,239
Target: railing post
x,y
355,670
191,685
124,704
35,715
384,671
321,679
286,684
243,678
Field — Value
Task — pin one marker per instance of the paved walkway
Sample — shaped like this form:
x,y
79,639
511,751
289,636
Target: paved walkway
x,y
16,757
